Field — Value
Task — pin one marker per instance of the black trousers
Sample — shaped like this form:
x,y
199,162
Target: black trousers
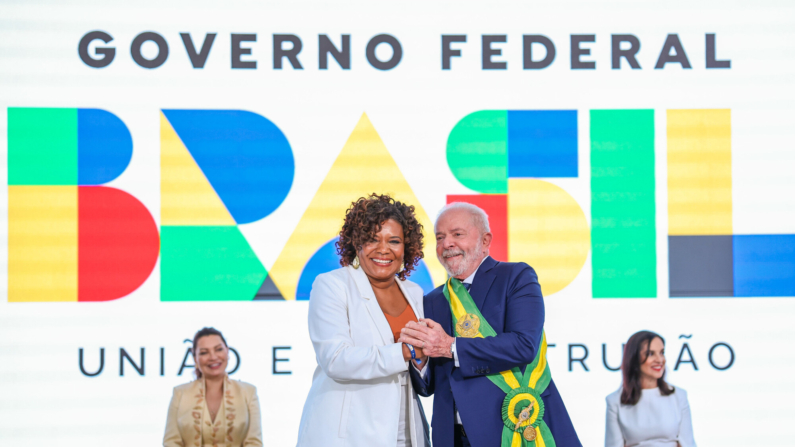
x,y
460,438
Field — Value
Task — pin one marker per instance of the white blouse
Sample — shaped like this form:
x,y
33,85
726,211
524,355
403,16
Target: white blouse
x,y
655,421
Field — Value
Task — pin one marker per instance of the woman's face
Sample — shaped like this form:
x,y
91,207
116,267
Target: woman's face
x,y
382,258
654,366
212,356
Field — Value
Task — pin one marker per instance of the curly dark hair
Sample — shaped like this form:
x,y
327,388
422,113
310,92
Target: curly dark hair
x,y
363,221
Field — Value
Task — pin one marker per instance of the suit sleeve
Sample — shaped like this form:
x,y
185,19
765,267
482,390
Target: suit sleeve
x,y
172,438
423,383
330,332
613,435
519,343
254,435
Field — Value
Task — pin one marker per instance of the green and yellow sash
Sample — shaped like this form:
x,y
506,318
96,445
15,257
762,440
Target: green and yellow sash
x,y
523,408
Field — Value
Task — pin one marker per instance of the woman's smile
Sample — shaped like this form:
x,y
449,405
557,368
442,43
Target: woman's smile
x,y
378,256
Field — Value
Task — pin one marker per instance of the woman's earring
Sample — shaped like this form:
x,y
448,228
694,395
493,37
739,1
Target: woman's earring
x,y
355,263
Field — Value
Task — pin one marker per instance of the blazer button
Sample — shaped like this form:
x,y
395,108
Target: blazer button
x,y
487,371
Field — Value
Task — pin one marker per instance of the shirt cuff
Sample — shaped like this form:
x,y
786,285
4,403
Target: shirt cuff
x,y
424,370
455,355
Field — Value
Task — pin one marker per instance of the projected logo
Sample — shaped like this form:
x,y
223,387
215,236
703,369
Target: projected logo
x,y
219,169
363,166
73,238
69,238
504,155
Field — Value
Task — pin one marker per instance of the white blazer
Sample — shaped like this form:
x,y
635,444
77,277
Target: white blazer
x,y
355,396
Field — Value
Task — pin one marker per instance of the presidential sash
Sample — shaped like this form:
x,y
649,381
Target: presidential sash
x,y
523,408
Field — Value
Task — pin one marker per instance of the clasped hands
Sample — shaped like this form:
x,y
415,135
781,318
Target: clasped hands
x,y
427,336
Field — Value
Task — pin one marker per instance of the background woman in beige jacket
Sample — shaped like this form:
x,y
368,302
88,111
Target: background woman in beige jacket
x,y
213,410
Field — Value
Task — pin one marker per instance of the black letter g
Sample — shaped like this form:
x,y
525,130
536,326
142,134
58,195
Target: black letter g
x,y
107,53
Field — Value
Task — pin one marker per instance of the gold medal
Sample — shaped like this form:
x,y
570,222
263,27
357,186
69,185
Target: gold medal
x,y
468,326
529,433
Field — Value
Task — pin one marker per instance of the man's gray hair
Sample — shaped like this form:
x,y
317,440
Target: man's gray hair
x,y
479,217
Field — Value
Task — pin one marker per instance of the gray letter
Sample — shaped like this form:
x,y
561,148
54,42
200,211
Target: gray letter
x,y
101,363
581,359
198,58
162,50
487,52
529,63
672,42
629,54
237,51
123,355
107,53
690,359
292,54
325,47
397,52
447,52
576,51
711,61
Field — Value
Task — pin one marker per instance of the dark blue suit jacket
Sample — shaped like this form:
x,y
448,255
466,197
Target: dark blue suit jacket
x,y
509,297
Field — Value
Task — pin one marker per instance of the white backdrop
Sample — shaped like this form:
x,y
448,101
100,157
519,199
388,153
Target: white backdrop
x,y
46,399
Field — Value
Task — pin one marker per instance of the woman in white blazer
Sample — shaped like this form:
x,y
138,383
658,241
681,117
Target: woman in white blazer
x,y
361,394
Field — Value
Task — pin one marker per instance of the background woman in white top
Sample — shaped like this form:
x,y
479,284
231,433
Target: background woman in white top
x,y
646,411
361,395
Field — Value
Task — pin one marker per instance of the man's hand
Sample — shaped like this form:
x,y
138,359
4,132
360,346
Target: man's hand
x,y
432,339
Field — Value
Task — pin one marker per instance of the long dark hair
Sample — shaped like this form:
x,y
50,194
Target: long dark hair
x,y
636,352
203,332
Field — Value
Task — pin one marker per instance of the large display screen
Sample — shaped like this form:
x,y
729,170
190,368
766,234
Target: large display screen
x,y
172,165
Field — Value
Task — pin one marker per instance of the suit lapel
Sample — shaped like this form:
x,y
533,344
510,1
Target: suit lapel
x,y
482,282
442,313
367,294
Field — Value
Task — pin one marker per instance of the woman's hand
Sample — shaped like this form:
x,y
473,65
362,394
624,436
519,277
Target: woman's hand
x,y
406,352
428,336
420,357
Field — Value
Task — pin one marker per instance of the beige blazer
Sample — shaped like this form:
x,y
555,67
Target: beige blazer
x,y
237,423
358,385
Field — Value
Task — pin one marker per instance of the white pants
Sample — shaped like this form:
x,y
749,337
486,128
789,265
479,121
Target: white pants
x,y
403,433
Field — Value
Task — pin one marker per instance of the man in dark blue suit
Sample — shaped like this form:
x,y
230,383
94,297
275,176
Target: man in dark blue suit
x,y
467,405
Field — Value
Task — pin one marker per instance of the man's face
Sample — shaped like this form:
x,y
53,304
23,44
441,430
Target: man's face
x,y
459,245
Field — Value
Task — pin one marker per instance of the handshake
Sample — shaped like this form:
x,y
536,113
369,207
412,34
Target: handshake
x,y
428,339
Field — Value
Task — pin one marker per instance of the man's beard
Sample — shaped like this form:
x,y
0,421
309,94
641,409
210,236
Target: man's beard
x,y
469,259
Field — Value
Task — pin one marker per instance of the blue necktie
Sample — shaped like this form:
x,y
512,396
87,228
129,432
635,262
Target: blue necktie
x,y
467,286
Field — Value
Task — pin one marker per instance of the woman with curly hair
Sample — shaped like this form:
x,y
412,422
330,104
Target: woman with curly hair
x,y
361,394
